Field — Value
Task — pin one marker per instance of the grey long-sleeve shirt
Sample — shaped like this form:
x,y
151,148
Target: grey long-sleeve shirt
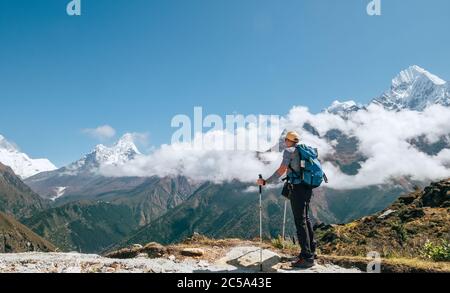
x,y
290,157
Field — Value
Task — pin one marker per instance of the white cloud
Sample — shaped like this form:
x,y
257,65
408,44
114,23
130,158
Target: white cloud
x,y
101,132
199,164
383,135
384,139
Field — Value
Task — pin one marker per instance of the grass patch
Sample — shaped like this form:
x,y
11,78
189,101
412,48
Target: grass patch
x,y
282,244
402,234
436,251
391,265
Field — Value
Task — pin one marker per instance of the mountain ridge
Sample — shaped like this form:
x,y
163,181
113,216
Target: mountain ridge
x,y
20,162
58,183
414,88
16,198
401,229
16,237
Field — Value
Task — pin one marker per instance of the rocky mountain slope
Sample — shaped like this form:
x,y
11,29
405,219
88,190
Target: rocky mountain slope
x,y
15,197
84,226
402,229
91,223
15,237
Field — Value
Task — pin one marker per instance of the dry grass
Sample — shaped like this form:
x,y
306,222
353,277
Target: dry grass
x,y
390,265
214,249
217,248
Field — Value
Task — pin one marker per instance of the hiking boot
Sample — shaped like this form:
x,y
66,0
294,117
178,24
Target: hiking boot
x,y
302,263
315,256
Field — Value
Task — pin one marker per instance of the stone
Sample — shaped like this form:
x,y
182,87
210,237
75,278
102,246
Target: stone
x,y
385,214
436,197
192,252
252,260
410,214
408,199
123,253
116,265
154,250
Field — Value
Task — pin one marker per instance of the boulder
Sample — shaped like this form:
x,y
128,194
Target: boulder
x,y
437,195
195,252
154,250
408,199
123,253
411,214
251,260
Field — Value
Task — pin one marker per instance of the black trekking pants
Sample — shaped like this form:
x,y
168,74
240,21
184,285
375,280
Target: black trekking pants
x,y
300,199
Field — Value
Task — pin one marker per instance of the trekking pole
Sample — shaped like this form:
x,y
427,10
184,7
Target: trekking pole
x,y
284,222
260,226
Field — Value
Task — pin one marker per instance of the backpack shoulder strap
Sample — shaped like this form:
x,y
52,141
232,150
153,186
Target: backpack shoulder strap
x,y
301,176
325,178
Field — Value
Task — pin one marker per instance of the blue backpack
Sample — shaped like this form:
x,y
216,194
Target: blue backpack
x,y
311,173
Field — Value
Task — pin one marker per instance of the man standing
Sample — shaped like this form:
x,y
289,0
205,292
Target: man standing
x,y
300,199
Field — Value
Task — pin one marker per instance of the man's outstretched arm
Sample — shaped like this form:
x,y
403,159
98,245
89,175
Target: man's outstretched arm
x,y
275,177
280,171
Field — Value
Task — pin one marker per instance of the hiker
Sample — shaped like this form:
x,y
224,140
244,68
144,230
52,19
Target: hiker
x,y
299,195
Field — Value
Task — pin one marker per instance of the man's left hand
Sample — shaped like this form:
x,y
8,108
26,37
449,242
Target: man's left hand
x,y
261,182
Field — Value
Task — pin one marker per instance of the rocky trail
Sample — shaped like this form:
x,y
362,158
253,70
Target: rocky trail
x,y
237,259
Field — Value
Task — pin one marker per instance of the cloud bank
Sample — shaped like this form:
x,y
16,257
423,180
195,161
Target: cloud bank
x,y
384,139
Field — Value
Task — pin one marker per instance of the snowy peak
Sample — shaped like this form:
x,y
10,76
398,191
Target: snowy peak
x,y
343,108
124,150
20,162
415,89
121,152
6,145
415,74
126,144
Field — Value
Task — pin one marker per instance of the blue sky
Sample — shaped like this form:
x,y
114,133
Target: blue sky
x,y
135,64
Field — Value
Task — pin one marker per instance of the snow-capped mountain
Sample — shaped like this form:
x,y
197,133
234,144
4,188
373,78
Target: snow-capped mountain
x,y
20,162
121,152
343,108
415,89
83,174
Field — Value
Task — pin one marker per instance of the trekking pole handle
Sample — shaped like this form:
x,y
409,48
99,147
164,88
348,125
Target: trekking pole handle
x,y
260,187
